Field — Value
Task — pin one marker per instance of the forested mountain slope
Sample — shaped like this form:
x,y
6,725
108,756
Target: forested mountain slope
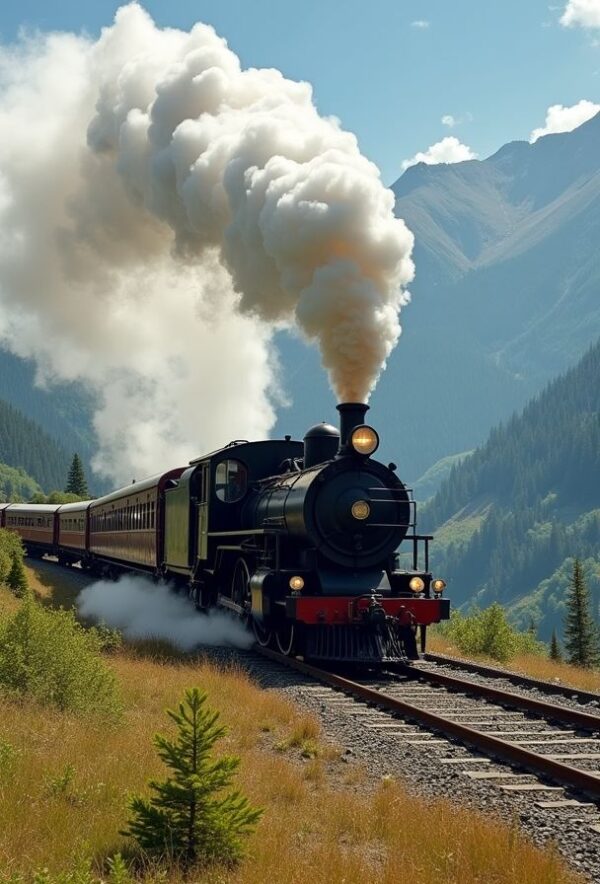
x,y
16,485
63,411
510,516
24,444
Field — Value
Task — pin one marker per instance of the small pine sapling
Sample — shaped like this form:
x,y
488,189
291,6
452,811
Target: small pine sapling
x,y
555,652
189,819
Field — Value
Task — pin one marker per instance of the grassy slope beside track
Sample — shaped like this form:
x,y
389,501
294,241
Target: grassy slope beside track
x,y
65,789
533,665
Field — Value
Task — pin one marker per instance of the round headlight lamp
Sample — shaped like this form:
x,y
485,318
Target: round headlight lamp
x,y
364,440
417,584
360,510
296,584
438,585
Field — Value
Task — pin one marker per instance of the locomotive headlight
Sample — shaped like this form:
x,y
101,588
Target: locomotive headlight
x,y
438,585
296,583
364,440
417,584
360,509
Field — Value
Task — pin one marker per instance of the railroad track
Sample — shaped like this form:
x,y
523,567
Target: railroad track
x,y
546,687
506,726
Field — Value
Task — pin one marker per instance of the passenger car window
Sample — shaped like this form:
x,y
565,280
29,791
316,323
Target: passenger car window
x,y
231,481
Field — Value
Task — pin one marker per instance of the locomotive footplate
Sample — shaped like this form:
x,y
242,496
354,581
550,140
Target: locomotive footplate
x,y
364,630
347,610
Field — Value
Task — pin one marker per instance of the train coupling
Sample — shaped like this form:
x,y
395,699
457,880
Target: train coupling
x,y
367,609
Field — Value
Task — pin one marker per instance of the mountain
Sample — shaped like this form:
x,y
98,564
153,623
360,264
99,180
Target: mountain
x,y
26,447
15,484
510,518
425,487
64,412
505,297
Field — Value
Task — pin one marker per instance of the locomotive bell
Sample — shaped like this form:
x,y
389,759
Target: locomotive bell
x,y
321,444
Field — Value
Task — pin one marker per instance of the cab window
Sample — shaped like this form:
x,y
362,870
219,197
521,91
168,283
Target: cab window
x,y
231,481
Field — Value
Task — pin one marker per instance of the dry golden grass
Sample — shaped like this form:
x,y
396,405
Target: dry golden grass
x,y
65,789
64,783
38,582
526,664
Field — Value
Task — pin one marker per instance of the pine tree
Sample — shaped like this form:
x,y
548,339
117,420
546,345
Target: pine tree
x,y
581,634
76,482
17,579
555,652
188,818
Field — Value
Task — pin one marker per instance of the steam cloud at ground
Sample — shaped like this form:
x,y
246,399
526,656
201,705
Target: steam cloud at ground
x,y
140,608
162,213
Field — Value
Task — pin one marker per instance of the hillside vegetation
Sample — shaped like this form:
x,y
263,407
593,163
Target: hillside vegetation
x,y
64,411
16,484
510,518
24,444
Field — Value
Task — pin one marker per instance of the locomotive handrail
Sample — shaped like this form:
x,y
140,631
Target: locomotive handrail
x,y
244,531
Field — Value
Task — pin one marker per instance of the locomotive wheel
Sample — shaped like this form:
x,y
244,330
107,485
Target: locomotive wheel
x,y
240,594
240,585
262,635
285,636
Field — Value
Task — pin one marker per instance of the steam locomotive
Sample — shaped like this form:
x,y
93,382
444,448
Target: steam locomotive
x,y
300,539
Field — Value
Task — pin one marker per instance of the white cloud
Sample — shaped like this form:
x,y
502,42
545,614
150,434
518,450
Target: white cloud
x,y
581,13
420,23
564,119
449,120
448,150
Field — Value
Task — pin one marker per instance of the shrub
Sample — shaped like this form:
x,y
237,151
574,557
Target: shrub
x,y
48,655
189,819
12,571
489,632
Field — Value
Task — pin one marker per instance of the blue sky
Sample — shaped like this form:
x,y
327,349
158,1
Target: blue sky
x,y
493,66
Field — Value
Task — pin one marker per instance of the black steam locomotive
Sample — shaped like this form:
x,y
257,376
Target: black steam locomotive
x,y
299,539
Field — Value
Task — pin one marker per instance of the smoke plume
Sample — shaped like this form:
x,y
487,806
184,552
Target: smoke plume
x,y
162,212
142,609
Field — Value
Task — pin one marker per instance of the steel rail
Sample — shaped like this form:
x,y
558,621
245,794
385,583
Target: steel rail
x,y
526,680
571,777
552,711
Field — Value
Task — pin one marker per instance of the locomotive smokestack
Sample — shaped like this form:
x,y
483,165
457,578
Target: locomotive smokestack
x,y
352,414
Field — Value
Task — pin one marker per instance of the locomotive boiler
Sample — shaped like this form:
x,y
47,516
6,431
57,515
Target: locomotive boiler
x,y
312,543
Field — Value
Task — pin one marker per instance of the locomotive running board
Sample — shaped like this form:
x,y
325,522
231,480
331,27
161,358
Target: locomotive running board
x,y
225,602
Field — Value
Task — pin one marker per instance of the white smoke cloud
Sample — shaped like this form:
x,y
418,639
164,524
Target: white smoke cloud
x,y
581,13
140,608
420,23
449,120
560,118
162,212
448,150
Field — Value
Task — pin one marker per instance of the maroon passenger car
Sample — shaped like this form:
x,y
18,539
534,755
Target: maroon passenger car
x,y
34,523
72,531
127,526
